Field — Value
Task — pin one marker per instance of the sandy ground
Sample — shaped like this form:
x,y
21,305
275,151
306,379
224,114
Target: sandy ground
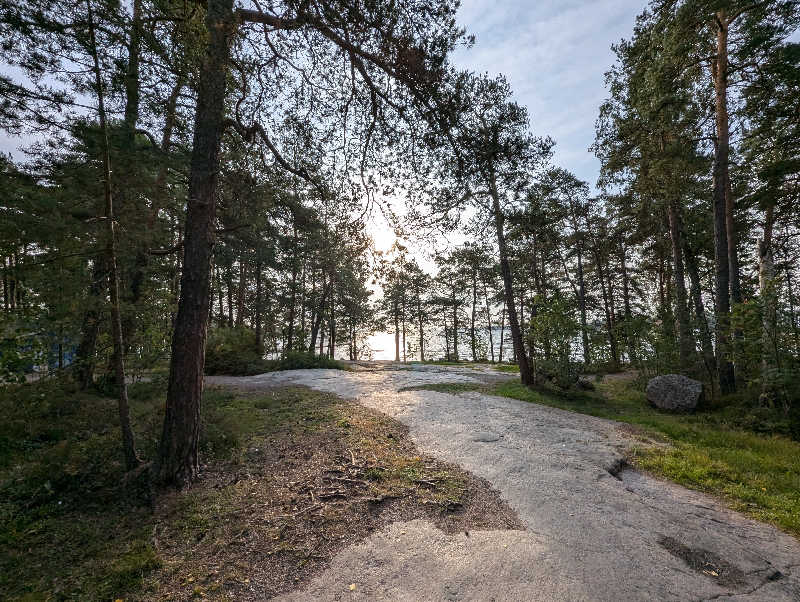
x,y
596,530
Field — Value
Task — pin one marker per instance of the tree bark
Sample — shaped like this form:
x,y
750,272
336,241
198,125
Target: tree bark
x,y
727,286
396,312
474,306
229,290
241,293
403,325
85,355
626,300
700,312
770,359
128,443
508,287
612,339
293,302
502,332
320,314
421,329
792,312
259,336
455,325
178,461
685,343
489,321
582,307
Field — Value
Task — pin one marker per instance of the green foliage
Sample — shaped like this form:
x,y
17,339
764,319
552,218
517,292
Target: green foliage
x,y
21,348
70,527
552,333
297,360
232,351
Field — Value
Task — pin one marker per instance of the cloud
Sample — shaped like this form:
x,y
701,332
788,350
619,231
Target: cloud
x,y
555,54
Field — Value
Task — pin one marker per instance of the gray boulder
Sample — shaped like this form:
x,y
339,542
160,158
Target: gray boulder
x,y
674,392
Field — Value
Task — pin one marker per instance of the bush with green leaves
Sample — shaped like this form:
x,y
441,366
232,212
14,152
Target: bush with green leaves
x,y
552,335
232,351
20,349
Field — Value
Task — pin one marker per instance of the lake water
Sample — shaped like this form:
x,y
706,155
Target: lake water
x,y
382,345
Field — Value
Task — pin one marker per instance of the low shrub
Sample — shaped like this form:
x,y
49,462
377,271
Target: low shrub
x,y
232,352
297,360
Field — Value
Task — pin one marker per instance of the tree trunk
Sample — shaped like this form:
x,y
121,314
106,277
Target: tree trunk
x,y
221,308
85,355
612,338
293,302
508,286
455,325
472,323
700,312
725,241
128,444
421,329
229,288
241,293
259,336
403,326
685,343
332,325
446,334
502,332
396,312
178,461
792,312
320,314
626,300
489,322
582,307
769,300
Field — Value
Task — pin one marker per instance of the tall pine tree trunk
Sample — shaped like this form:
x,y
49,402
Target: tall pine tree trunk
x,y
725,247
421,329
489,322
582,307
685,343
128,444
259,335
508,287
700,312
474,306
178,461
396,314
769,301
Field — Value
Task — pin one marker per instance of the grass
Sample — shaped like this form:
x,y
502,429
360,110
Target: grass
x,y
734,451
70,527
444,387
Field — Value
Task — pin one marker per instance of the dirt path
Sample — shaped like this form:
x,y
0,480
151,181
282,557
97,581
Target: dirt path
x,y
595,529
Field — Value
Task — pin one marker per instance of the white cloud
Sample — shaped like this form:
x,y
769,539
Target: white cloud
x,y
555,54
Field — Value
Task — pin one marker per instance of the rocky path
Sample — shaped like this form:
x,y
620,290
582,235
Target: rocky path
x,y
596,530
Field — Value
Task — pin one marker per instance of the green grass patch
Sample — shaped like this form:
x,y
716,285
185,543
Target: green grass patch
x,y
511,368
446,387
70,526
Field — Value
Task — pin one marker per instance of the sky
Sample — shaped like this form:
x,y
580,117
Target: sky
x,y
555,54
